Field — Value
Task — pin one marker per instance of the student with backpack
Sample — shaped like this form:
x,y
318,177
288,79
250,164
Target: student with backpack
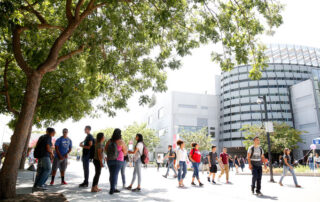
x,y
43,152
87,154
140,156
212,159
182,158
98,161
255,160
63,147
287,166
171,155
195,158
116,150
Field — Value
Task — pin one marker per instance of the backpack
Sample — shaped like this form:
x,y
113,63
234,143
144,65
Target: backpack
x,y
252,150
145,155
92,149
38,150
281,162
112,151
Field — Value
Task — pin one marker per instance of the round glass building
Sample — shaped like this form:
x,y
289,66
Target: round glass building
x,y
288,65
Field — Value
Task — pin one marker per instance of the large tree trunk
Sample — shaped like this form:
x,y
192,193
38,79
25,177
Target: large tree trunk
x,y
9,171
25,150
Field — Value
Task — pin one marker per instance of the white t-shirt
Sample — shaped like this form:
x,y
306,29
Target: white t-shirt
x,y
317,159
181,155
139,152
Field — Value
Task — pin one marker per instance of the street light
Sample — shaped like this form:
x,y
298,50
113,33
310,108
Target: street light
x,y
260,100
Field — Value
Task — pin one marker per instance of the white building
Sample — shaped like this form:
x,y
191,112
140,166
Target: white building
x,y
177,111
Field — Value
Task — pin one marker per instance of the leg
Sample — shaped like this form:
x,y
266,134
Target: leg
x,y
284,172
184,169
139,172
134,174
259,178
85,161
112,169
63,168
116,173
222,171
172,167
123,173
254,177
39,173
168,169
46,170
294,176
97,167
227,172
180,171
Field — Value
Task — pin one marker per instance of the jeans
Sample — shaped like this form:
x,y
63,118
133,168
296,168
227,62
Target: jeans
x,y
137,171
85,163
114,168
256,177
170,165
182,170
123,172
43,171
97,166
195,170
285,170
311,165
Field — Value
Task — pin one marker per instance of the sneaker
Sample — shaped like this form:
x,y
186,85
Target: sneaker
x,y
259,193
35,189
111,192
193,184
116,191
129,188
280,184
83,185
298,186
51,183
44,187
136,189
64,183
175,176
200,184
214,182
252,191
164,176
208,179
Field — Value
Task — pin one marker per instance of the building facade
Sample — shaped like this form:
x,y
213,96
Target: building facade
x,y
287,66
178,111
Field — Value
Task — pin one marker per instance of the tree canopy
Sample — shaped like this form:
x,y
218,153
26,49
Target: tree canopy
x,y
284,136
201,137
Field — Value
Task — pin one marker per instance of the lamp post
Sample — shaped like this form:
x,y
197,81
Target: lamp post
x,y
260,100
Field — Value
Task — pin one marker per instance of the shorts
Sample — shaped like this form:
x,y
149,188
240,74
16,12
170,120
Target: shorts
x,y
213,169
61,164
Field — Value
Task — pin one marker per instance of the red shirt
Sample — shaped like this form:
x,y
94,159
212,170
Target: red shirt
x,y
196,155
224,157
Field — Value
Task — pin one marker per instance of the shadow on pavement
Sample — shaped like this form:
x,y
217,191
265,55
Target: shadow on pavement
x,y
268,197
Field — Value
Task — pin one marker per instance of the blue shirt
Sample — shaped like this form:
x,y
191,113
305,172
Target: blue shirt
x,y
63,144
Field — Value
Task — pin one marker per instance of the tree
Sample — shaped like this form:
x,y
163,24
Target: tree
x,y
284,136
150,138
108,43
201,137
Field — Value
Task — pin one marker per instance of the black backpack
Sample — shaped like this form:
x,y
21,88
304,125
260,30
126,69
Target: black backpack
x,y
38,150
92,149
112,151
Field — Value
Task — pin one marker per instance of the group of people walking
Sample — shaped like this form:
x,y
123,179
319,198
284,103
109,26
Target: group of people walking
x,y
92,150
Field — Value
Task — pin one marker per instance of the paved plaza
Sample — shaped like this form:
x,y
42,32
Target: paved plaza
x,y
157,188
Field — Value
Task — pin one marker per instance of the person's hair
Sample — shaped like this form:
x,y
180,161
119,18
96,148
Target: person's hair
x,y
140,138
170,146
194,144
50,130
88,127
64,130
224,147
99,137
213,146
285,151
180,142
116,134
255,137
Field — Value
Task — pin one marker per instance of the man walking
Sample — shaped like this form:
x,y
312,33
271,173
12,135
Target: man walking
x,y
87,145
255,160
63,147
212,159
224,164
171,155
44,154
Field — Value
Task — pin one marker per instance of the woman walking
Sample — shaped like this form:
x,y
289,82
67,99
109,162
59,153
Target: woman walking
x,y
138,151
195,158
116,149
158,162
181,162
236,163
242,163
98,161
288,167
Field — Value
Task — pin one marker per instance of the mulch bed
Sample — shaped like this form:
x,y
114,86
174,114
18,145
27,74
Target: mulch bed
x,y
38,197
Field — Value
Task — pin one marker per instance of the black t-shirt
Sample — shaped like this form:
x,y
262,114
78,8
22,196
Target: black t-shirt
x,y
171,153
213,158
47,140
86,143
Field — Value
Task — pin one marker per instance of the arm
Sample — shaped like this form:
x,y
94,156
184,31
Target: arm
x,y
106,147
249,160
264,161
88,147
190,157
209,161
58,153
133,152
124,148
100,156
178,158
48,148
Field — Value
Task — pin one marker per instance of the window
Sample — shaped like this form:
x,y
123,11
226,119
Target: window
x,y
212,134
160,113
204,107
187,106
202,122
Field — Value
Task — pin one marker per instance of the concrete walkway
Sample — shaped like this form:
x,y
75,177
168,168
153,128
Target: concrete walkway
x,y
157,188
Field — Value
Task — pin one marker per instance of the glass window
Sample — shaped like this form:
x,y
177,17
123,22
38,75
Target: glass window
x,y
187,106
202,122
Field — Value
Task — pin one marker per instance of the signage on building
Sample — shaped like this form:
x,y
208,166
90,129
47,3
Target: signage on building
x,y
269,126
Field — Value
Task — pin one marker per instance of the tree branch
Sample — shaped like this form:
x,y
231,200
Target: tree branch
x,y
41,26
69,55
77,11
6,87
17,51
68,10
30,9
